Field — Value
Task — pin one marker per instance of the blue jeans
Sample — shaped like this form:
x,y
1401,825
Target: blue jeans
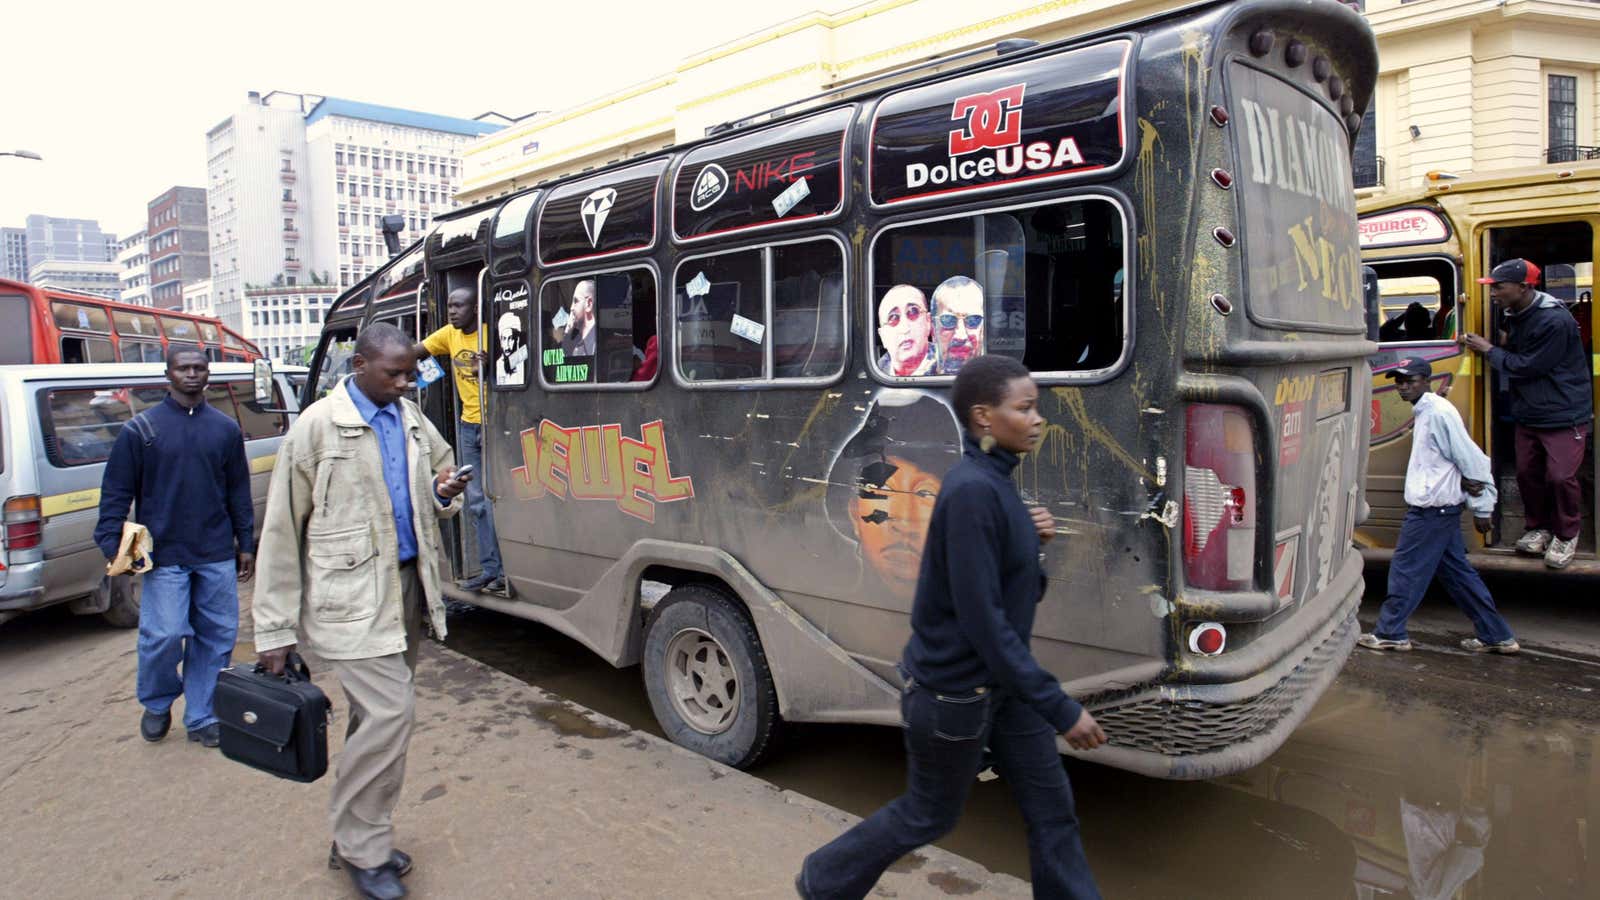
x,y
945,736
1430,543
188,615
471,440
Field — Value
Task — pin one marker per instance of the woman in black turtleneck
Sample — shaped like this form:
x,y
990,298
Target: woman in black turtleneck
x,y
970,679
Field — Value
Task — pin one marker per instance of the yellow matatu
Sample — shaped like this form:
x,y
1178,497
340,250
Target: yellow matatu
x,y
1428,247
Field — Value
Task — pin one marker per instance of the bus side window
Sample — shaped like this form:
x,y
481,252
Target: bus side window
x,y
594,329
86,350
1044,284
1416,300
732,327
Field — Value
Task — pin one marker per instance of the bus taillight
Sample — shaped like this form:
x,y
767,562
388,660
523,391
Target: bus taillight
x,y
1219,504
22,523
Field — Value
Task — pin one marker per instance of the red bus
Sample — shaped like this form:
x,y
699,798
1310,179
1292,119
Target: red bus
x,y
44,325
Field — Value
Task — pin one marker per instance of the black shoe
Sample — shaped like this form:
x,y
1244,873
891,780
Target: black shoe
x,y
457,607
153,726
209,736
399,859
381,883
498,587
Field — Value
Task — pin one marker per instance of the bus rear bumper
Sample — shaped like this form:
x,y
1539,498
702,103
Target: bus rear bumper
x,y
1190,725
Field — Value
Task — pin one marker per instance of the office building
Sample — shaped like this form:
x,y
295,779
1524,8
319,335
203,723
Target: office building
x,y
179,252
84,276
133,259
298,185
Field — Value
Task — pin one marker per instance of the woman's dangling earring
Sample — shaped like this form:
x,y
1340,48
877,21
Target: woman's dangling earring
x,y
986,443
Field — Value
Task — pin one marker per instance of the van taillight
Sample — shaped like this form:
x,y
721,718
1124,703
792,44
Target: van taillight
x,y
1219,502
22,520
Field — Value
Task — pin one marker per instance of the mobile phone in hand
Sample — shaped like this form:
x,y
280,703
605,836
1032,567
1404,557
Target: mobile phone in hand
x,y
462,473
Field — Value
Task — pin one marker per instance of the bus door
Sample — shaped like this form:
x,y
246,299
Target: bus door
x,y
1565,252
1418,318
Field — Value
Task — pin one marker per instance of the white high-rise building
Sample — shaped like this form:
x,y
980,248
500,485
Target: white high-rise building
x,y
298,185
133,256
285,321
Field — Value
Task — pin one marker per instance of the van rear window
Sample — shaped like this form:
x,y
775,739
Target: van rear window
x,y
81,424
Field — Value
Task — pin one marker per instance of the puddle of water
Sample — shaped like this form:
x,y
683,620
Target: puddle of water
x,y
1424,775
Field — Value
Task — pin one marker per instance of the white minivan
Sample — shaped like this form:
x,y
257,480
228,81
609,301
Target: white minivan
x,y
57,426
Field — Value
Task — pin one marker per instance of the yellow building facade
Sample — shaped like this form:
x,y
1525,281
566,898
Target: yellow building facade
x,y
1465,83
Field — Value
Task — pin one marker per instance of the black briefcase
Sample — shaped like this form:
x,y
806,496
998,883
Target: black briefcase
x,y
275,723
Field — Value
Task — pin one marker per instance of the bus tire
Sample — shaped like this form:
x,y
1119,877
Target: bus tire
x,y
707,676
125,595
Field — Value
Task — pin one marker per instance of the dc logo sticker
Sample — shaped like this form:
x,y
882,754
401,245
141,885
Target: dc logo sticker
x,y
988,121
596,207
709,186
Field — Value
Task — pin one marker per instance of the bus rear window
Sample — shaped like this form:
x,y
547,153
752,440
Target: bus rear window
x,y
1297,200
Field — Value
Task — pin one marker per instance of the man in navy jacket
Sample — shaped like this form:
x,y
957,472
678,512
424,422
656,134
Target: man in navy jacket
x,y
1548,372
182,463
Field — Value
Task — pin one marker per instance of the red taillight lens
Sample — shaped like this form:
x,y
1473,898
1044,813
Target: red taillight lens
x,y
23,526
1219,506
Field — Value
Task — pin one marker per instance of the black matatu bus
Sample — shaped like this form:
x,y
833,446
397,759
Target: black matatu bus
x,y
725,366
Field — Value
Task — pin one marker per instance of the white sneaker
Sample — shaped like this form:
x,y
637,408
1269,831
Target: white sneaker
x,y
1560,553
1534,542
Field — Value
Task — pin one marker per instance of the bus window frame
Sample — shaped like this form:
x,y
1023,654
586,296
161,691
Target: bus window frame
x,y
86,337
1116,199
766,382
104,310
1455,269
535,323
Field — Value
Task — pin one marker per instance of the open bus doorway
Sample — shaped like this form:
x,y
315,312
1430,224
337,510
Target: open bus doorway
x,y
1565,253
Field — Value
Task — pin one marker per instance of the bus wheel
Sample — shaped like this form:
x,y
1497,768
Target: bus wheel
x,y
707,676
125,593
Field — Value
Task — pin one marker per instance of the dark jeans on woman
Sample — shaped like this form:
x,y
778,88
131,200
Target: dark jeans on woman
x,y
945,736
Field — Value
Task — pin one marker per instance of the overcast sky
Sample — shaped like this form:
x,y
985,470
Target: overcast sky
x,y
117,97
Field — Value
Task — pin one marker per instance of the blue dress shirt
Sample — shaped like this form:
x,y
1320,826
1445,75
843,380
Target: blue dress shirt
x,y
389,426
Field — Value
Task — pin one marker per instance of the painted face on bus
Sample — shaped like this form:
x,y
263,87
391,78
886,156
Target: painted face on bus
x,y
890,514
904,327
957,322
459,309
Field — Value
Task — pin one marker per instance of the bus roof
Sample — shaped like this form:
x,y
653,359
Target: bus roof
x,y
101,371
1492,180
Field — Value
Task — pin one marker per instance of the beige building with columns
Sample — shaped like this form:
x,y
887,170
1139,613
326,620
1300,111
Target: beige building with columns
x,y
1465,84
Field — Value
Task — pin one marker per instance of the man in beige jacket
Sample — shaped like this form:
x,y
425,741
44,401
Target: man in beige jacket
x,y
351,558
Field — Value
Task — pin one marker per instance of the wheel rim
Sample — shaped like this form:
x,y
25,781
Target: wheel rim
x,y
701,681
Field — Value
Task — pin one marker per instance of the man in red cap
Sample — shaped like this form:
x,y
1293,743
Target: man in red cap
x,y
1548,376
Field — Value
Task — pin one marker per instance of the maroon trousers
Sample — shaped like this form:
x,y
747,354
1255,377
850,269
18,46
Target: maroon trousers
x,y
1547,473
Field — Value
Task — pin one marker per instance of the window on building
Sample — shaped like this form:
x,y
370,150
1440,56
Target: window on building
x,y
1563,123
338,157
288,253
287,165
313,315
341,219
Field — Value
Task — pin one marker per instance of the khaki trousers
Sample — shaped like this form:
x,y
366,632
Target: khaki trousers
x,y
381,698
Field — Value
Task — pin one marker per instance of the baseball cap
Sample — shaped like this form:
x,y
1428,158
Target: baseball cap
x,y
1411,367
1514,271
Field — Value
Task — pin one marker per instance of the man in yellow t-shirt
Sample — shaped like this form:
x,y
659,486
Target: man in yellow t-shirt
x,y
465,345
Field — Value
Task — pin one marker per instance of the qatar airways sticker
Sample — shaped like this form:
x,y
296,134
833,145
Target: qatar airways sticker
x,y
1403,227
1056,116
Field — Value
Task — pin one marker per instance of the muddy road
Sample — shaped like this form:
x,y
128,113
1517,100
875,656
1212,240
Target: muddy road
x,y
1424,775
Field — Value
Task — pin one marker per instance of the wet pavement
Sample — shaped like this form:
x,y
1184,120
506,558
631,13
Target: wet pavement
x,y
1436,773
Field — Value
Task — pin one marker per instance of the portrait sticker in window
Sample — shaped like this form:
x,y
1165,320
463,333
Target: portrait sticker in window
x,y
510,364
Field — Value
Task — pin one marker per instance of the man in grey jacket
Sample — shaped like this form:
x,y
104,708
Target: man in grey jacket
x,y
350,557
